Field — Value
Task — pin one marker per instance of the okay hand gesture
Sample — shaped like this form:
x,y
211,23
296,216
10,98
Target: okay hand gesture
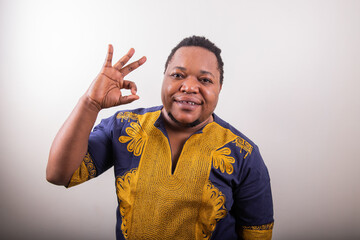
x,y
104,91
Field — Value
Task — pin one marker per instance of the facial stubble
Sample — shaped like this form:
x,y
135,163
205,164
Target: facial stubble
x,y
186,125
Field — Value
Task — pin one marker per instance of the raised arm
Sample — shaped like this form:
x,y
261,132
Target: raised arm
x,y
70,144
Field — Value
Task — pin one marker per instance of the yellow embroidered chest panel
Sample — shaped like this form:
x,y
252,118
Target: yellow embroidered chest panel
x,y
156,203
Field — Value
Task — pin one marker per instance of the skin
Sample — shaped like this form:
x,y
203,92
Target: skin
x,y
190,93
70,144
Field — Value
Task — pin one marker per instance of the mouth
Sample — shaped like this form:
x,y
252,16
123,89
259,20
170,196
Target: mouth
x,y
191,103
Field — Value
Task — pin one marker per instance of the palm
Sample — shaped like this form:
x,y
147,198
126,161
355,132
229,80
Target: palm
x,y
106,88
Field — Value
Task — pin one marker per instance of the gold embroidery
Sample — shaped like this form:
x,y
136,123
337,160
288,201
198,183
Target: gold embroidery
x,y
137,138
90,165
221,160
243,145
212,210
261,227
85,172
263,232
156,202
124,185
127,116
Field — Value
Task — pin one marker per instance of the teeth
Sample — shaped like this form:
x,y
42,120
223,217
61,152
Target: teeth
x,y
191,103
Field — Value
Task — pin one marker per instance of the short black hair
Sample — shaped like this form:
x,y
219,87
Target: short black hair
x,y
203,42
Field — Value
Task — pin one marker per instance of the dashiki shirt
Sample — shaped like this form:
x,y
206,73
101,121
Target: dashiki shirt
x,y
220,187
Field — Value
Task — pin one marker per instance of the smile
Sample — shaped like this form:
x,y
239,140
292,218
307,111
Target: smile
x,y
187,102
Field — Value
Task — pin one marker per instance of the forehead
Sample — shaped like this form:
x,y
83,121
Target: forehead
x,y
194,57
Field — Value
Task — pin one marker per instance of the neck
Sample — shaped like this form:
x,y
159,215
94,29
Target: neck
x,y
171,124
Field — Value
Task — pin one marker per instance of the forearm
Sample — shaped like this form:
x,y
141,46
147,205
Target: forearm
x,y
70,144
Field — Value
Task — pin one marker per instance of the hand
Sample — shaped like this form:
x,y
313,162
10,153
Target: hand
x,y
104,91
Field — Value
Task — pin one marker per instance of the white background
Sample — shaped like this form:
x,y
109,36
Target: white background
x,y
292,85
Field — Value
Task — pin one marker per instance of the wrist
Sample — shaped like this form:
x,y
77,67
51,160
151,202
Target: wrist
x,y
90,104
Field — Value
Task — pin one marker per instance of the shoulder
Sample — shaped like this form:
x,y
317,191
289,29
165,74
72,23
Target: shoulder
x,y
129,115
243,149
124,117
241,139
140,111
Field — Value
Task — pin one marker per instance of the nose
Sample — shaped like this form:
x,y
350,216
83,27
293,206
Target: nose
x,y
190,85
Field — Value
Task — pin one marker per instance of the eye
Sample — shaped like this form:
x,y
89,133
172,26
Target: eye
x,y
205,80
177,75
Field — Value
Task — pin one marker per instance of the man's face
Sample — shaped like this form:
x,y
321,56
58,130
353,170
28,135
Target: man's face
x,y
191,86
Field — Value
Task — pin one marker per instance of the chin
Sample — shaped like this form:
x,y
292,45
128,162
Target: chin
x,y
184,121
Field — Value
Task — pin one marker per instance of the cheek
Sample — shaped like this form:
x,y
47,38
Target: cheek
x,y
212,97
166,92
163,93
169,88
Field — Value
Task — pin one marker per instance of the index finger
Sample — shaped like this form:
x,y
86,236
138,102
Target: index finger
x,y
129,85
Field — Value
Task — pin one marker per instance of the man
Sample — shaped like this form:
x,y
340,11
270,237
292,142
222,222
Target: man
x,y
181,172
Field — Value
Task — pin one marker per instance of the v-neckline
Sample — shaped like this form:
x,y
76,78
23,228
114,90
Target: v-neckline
x,y
181,147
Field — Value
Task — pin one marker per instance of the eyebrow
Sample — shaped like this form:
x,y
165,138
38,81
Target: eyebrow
x,y
201,71
206,72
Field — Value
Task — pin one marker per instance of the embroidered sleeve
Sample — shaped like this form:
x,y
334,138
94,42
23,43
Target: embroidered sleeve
x,y
262,232
85,172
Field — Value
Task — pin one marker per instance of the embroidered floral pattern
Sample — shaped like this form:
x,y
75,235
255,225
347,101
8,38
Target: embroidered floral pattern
x,y
137,138
212,210
222,161
127,116
243,145
90,165
86,171
124,184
